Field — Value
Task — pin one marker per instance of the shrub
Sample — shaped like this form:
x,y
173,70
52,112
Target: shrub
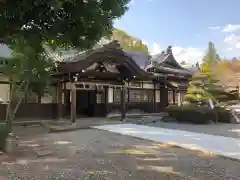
x,y
198,115
224,116
3,135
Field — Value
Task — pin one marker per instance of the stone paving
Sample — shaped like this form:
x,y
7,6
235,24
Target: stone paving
x,y
220,129
93,154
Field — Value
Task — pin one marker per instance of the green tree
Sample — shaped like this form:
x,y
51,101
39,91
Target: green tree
x,y
27,25
211,56
77,24
205,85
28,70
128,42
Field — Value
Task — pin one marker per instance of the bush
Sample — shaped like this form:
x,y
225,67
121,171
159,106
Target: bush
x,y
224,116
3,135
198,115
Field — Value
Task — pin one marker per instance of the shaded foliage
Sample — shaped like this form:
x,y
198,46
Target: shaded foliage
x,y
61,23
28,70
228,72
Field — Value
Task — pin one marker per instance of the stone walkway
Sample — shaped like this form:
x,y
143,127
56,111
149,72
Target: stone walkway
x,y
225,146
219,129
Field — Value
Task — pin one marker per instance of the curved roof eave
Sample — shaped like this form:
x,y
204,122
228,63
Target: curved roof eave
x,y
79,63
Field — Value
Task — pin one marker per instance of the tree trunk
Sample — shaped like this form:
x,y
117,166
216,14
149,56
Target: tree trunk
x,y
11,114
19,102
39,97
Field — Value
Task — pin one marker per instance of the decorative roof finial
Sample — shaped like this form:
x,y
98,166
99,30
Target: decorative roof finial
x,y
162,53
169,50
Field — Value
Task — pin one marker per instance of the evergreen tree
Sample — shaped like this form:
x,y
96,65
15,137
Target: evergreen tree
x,y
204,85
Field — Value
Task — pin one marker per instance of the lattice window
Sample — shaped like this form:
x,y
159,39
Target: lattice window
x,y
135,95
141,95
117,96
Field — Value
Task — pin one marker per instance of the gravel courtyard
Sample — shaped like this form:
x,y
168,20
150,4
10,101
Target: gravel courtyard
x,y
92,154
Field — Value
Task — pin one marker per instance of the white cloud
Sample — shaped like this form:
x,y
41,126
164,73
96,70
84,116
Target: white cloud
x,y
215,28
228,28
131,3
156,49
232,41
231,28
237,45
189,55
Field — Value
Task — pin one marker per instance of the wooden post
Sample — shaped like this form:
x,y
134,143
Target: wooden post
x,y
59,101
73,104
123,111
174,96
154,97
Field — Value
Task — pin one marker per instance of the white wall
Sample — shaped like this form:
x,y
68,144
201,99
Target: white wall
x,y
4,89
157,96
148,85
47,98
110,95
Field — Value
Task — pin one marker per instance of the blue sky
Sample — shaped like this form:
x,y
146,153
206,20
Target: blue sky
x,y
188,25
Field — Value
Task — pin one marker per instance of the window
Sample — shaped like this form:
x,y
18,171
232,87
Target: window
x,y
170,97
100,97
150,95
182,96
135,95
117,96
141,95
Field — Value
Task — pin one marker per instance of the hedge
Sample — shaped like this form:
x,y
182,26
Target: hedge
x,y
198,115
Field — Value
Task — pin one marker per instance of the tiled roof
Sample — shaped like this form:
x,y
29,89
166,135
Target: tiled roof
x,y
138,57
166,62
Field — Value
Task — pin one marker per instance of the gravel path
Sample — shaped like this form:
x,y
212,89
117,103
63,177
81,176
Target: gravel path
x,y
92,154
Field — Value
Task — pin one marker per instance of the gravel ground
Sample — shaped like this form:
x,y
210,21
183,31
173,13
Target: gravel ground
x,y
227,130
93,154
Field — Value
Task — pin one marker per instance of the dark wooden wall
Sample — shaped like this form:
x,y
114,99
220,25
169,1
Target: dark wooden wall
x,y
32,111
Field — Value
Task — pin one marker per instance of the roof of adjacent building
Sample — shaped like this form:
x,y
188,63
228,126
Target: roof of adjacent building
x,y
165,62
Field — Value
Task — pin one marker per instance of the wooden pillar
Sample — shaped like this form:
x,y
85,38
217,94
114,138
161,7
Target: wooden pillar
x,y
174,96
123,111
128,91
73,104
59,100
164,96
106,100
154,97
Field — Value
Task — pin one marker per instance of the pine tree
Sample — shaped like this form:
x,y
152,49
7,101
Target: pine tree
x,y
204,84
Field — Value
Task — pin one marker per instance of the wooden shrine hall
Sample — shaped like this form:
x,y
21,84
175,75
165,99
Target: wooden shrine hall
x,y
109,79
